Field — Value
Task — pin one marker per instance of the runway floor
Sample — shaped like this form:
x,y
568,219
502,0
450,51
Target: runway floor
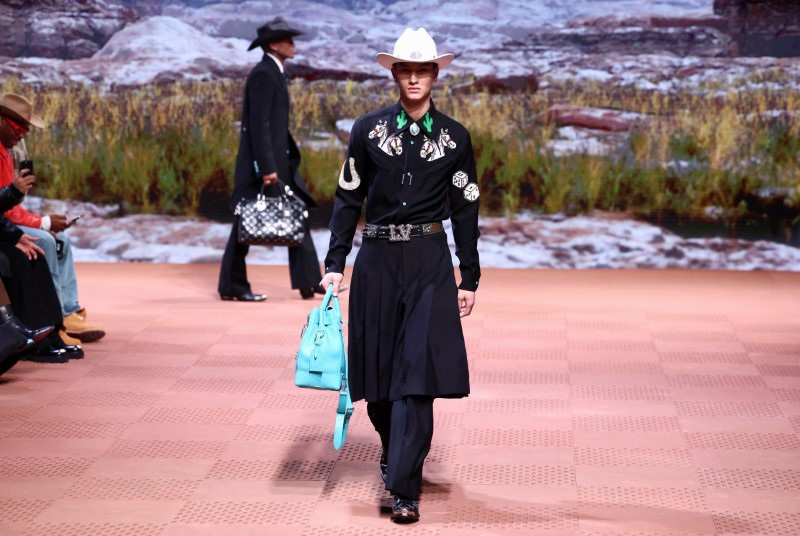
x,y
603,402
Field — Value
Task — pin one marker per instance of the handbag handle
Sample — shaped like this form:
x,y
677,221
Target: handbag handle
x,y
344,409
284,191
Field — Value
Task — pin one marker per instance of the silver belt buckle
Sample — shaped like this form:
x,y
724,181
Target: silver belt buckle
x,y
400,233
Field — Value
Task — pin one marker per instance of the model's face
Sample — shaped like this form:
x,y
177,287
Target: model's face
x,y
283,49
11,132
415,80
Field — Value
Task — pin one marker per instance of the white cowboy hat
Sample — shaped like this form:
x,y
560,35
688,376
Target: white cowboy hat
x,y
414,46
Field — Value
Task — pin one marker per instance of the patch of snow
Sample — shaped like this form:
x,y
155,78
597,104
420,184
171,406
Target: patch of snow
x,y
528,241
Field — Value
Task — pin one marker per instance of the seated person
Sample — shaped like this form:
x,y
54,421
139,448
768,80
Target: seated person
x,y
29,297
16,118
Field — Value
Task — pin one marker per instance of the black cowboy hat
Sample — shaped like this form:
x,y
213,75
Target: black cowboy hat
x,y
274,30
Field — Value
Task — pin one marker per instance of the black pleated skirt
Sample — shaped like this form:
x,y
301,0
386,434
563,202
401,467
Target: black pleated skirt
x,y
405,334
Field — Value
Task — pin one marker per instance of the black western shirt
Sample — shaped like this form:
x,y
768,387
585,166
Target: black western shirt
x,y
410,172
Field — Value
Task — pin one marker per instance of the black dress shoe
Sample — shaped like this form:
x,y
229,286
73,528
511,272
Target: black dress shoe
x,y
247,296
25,347
307,293
47,354
405,510
7,316
73,351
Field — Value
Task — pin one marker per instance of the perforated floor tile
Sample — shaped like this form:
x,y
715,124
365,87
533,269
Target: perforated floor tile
x,y
515,474
244,513
16,510
497,519
678,499
777,523
120,489
519,405
632,457
107,529
501,437
43,467
743,440
647,403
67,429
166,449
763,479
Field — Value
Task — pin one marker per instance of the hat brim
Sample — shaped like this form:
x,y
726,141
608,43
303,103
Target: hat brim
x,y
34,121
388,60
271,38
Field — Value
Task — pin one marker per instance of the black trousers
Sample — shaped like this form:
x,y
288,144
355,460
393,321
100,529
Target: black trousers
x,y
304,270
30,289
406,430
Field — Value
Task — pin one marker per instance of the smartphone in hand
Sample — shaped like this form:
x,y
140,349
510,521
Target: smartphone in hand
x,y
73,220
26,164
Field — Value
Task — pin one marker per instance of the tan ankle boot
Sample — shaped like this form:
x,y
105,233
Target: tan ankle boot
x,y
67,339
79,329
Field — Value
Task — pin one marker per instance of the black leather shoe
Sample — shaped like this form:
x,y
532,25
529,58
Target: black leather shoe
x,y
73,351
48,354
7,316
307,293
25,347
384,465
405,510
247,296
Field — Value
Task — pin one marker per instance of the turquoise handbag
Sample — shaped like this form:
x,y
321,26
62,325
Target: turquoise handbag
x,y
321,361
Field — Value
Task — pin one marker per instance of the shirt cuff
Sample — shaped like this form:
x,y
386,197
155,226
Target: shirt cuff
x,y
468,284
45,225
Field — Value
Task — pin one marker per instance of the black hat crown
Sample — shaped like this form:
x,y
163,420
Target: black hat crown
x,y
275,30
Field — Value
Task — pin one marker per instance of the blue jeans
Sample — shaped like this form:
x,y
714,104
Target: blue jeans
x,y
62,270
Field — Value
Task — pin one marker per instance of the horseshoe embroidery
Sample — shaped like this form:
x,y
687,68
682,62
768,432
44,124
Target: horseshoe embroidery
x,y
356,179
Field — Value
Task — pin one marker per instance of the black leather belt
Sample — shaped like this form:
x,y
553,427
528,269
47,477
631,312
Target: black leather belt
x,y
401,233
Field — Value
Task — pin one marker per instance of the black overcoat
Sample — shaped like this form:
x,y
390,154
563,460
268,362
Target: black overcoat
x,y
266,145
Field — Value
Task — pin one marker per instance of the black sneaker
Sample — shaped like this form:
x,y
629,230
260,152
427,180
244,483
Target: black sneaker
x,y
405,510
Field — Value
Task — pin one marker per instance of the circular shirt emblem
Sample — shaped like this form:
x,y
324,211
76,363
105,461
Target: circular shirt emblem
x,y
471,192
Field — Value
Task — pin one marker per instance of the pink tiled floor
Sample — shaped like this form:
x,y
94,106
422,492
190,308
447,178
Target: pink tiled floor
x,y
604,402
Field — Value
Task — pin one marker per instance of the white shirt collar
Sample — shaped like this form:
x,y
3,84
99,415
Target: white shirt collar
x,y
277,61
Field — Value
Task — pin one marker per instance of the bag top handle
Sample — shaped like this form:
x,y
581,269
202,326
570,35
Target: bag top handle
x,y
324,307
284,191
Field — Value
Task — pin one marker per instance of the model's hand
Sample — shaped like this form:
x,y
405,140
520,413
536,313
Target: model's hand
x,y
27,245
332,278
272,178
58,222
24,181
466,301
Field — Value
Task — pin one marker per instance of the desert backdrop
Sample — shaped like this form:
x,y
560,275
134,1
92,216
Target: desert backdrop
x,y
608,133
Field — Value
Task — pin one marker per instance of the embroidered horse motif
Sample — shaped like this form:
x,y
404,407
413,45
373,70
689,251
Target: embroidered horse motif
x,y
388,144
435,150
